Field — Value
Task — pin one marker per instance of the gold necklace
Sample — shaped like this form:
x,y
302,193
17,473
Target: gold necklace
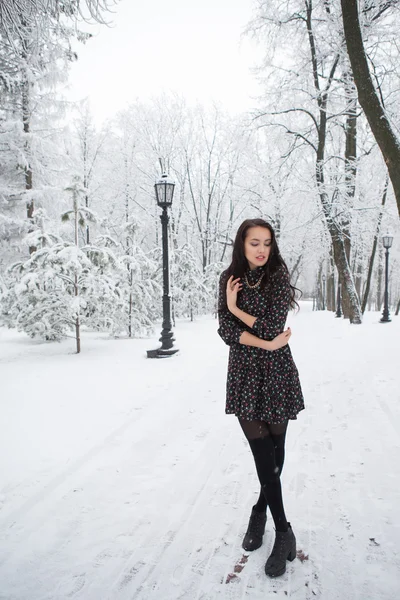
x,y
253,287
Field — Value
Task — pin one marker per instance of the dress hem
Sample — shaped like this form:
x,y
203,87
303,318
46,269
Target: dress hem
x,y
258,417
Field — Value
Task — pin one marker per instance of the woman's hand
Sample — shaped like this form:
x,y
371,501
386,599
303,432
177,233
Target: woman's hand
x,y
281,340
233,286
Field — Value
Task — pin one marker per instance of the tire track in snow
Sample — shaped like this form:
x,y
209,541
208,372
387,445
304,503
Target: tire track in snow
x,y
45,501
11,519
143,579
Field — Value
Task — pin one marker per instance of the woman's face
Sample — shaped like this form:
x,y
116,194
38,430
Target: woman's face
x,y
257,246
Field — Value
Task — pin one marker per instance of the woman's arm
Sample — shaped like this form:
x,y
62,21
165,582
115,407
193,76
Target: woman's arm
x,y
273,323
248,339
230,328
232,331
243,316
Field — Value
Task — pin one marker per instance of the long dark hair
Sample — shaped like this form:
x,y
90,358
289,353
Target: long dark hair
x,y
239,264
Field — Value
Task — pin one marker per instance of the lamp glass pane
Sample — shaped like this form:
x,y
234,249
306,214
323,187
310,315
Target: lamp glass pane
x,y
169,192
387,241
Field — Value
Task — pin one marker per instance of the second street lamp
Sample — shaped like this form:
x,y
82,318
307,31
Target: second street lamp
x,y
387,241
164,188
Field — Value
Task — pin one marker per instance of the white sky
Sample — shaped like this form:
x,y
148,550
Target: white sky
x,y
193,48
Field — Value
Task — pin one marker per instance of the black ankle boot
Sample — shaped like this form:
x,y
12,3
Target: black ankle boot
x,y
284,549
255,531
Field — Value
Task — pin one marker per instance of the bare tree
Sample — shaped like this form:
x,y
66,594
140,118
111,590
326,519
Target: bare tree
x,y
374,246
324,63
90,147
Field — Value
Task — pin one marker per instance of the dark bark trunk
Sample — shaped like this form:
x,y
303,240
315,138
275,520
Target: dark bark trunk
x,y
374,245
330,292
350,171
368,97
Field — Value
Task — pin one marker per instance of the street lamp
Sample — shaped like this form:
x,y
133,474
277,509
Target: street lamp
x,y
323,291
164,188
387,241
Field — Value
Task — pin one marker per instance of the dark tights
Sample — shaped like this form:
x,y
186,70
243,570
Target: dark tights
x,y
267,443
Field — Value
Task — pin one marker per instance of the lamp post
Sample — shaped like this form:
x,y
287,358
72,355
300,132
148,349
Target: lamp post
x,y
387,241
164,188
323,290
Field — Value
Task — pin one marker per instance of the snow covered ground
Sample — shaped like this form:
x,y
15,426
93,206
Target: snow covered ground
x,y
121,477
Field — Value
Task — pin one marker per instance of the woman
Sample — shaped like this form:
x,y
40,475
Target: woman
x,y
263,387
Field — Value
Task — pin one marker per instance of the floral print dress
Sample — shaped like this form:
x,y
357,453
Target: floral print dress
x,y
261,384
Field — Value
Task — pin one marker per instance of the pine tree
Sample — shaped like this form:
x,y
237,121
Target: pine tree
x,y
189,291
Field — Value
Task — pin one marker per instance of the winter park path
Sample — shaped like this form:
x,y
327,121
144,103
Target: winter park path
x,y
123,479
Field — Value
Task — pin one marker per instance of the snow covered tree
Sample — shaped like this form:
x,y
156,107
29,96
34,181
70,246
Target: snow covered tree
x,y
312,124
141,293
62,286
188,290
382,127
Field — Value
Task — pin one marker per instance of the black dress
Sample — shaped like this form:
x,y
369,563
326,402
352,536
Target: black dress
x,y
261,384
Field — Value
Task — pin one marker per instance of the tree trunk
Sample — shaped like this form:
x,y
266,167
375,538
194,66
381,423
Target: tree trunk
x,y
76,290
382,130
77,322
85,179
26,117
330,292
130,315
358,278
374,245
319,288
339,250
350,171
330,283
128,249
379,280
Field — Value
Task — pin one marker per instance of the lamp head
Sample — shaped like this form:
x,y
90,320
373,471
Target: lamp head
x,y
164,191
387,241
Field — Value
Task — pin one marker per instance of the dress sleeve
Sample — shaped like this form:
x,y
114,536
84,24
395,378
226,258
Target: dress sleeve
x,y
230,328
273,322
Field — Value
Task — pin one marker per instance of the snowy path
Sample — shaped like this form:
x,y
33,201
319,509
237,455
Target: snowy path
x,y
123,479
